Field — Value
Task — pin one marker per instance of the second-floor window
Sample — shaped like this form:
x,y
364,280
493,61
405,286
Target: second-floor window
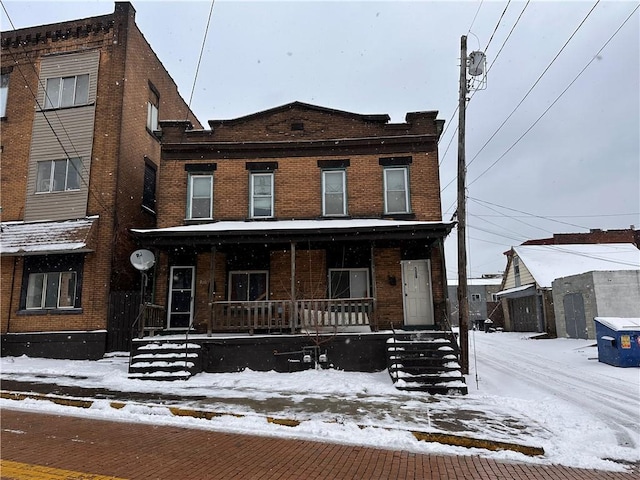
x,y
261,201
200,201
4,91
152,109
476,297
58,175
334,198
149,187
67,91
396,190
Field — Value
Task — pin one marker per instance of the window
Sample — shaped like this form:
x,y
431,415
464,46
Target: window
x,y
334,198
396,192
51,290
58,175
149,187
152,110
248,286
476,297
261,203
349,283
67,91
4,90
516,270
200,202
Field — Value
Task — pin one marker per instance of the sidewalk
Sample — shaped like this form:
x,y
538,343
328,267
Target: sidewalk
x,y
136,451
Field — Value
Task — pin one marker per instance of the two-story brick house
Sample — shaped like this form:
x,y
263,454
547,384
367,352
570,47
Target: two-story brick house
x,y
300,217
80,104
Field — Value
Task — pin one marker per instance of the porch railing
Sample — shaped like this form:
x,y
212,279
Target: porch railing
x,y
260,315
154,317
287,315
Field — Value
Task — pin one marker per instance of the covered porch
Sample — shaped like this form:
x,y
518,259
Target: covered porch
x,y
296,277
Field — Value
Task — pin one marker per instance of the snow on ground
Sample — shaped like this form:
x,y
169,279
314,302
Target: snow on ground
x,y
548,393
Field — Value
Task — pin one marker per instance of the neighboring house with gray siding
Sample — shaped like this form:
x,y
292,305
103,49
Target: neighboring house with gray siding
x,y
578,299
483,302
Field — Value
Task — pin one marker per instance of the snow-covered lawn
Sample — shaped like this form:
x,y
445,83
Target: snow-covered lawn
x,y
548,393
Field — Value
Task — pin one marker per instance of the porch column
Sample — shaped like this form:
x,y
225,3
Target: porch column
x,y
374,290
294,320
212,290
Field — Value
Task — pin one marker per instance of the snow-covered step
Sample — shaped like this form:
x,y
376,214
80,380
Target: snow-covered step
x,y
425,362
154,359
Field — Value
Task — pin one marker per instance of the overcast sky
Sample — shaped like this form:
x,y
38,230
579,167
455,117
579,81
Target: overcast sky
x,y
577,168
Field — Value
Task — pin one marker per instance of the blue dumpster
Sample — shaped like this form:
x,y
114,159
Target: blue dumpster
x,y
618,341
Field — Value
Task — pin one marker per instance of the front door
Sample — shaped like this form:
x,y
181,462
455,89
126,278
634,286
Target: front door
x,y
416,289
180,311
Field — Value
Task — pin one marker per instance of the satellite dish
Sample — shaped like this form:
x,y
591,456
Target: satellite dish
x,y
477,61
142,260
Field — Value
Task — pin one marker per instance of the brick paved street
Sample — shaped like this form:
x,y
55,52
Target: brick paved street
x,y
134,451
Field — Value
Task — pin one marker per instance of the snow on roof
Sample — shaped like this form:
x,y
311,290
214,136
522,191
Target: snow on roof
x,y
515,289
620,324
548,262
288,225
20,238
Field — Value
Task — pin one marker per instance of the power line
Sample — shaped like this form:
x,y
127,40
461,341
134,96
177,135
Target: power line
x,y
508,36
525,213
204,41
565,216
557,98
497,25
534,84
473,94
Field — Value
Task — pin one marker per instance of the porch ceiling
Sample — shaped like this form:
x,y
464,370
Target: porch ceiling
x,y
279,231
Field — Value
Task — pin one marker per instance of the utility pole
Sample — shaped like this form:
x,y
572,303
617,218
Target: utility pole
x,y
463,302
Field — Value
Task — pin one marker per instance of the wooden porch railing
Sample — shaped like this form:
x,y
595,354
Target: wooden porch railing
x,y
287,315
154,317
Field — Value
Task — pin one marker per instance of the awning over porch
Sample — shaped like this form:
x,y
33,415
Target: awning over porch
x,y
45,238
273,231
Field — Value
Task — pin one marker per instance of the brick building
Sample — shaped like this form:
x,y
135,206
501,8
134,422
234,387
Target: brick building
x,y
80,105
300,215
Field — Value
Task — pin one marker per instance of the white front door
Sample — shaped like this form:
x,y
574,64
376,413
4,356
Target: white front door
x,y
416,289
180,312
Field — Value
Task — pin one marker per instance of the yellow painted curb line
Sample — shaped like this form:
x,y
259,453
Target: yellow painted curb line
x,y
443,438
28,471
470,442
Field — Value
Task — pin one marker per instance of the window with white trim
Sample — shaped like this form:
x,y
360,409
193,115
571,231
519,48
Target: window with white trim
x,y
51,290
476,297
200,197
261,191
58,175
396,190
250,286
67,91
4,92
348,283
152,112
334,195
